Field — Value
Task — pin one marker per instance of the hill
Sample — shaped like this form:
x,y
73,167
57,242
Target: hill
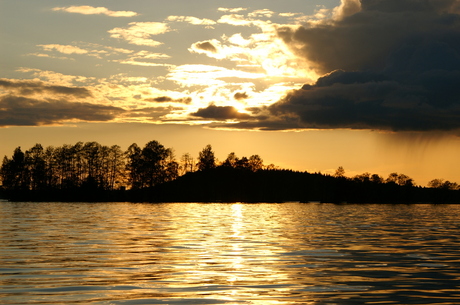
x,y
226,184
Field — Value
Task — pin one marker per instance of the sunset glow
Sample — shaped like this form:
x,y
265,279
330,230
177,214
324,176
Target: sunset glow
x,y
308,85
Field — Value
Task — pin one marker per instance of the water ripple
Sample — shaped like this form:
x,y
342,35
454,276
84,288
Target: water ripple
x,y
125,253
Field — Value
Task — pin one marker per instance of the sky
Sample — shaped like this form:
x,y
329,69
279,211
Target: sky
x,y
368,85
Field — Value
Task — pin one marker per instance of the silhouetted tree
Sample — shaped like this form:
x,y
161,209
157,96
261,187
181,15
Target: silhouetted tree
x,y
134,166
14,172
242,163
272,166
376,178
392,178
50,167
404,180
187,164
255,163
66,166
154,163
441,184
231,160
171,166
206,159
400,179
364,177
94,155
36,166
339,172
116,168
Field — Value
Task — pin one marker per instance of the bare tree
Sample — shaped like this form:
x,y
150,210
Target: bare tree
x,y
187,164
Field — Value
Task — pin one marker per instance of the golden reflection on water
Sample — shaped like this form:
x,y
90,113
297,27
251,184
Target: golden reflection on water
x,y
224,255
123,253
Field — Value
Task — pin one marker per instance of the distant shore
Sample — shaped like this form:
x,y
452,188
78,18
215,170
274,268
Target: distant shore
x,y
240,185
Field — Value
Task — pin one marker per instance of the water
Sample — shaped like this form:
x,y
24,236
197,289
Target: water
x,y
291,253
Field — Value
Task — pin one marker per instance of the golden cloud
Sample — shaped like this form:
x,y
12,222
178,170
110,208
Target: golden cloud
x,y
192,20
90,10
193,75
139,33
141,63
262,13
235,19
231,10
65,49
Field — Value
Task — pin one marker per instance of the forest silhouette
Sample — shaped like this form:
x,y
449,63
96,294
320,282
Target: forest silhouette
x,y
94,172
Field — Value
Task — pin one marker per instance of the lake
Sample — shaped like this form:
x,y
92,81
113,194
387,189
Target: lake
x,y
196,253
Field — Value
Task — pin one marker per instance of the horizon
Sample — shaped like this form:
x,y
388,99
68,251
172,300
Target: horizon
x,y
308,86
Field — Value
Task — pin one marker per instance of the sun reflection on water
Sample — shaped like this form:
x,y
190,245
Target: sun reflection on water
x,y
122,253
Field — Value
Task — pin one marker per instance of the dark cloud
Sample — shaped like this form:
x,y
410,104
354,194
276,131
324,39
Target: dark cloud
x,y
386,105
439,6
165,99
240,96
395,65
28,87
220,113
206,46
17,111
160,99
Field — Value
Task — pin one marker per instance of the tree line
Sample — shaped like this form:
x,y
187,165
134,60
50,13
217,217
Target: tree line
x,y
398,179
89,167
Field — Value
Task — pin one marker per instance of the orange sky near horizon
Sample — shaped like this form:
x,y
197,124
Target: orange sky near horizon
x,y
420,156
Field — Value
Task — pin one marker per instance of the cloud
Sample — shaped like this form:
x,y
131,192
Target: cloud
x,y
240,96
260,52
90,10
237,39
211,48
235,19
65,49
142,63
207,75
119,50
139,33
167,99
231,10
146,59
262,13
220,113
152,113
23,111
49,56
34,102
388,65
54,78
26,87
90,49
347,8
206,46
192,20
